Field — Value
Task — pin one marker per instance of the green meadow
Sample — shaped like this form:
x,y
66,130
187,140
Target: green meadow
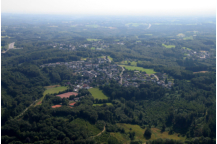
x,y
169,46
92,48
111,59
139,132
148,71
135,24
51,90
97,93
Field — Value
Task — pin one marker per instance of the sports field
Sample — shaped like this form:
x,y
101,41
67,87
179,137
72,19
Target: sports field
x,y
139,132
102,104
51,90
169,46
148,71
97,94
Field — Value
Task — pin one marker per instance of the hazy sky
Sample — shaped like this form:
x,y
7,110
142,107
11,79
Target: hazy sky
x,y
111,7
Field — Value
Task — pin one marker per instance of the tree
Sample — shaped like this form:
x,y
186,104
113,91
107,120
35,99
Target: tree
x,y
147,133
166,82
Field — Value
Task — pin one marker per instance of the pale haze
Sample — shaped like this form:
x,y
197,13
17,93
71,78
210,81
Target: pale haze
x,y
111,7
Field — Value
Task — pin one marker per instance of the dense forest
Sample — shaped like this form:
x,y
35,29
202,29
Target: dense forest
x,y
188,108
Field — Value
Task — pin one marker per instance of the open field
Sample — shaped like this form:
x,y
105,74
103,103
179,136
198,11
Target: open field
x,y
135,24
93,39
96,93
156,133
110,58
102,104
169,46
92,26
132,63
92,48
5,36
83,58
180,35
186,48
73,25
148,71
188,38
50,90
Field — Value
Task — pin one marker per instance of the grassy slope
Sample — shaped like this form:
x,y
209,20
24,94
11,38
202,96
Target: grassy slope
x,y
51,90
148,71
96,93
156,133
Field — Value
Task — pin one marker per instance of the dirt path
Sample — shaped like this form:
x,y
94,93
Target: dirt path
x,y
25,110
121,75
99,133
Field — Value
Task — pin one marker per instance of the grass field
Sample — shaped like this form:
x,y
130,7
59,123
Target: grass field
x,y
5,36
188,38
148,71
96,93
92,48
102,104
169,46
92,26
73,25
93,39
91,129
50,90
180,35
83,58
186,48
132,63
156,133
111,59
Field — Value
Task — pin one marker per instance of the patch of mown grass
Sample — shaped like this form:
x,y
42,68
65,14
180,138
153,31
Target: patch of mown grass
x,y
50,90
123,138
92,48
97,93
111,59
148,71
102,104
156,133
169,46
186,48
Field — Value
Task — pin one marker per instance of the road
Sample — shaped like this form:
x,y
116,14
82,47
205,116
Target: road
x,y
121,75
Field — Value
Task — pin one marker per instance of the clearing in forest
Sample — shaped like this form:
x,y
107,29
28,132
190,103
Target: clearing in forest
x,y
97,93
51,90
148,71
169,46
139,133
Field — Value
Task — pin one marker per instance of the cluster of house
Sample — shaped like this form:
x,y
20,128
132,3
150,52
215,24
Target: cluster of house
x,y
134,79
200,54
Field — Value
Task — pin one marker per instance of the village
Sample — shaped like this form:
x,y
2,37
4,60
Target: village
x,y
100,71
